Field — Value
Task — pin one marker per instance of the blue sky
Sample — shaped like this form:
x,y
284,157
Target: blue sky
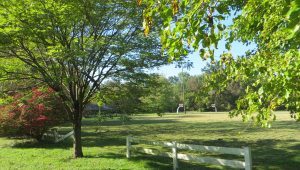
x,y
170,70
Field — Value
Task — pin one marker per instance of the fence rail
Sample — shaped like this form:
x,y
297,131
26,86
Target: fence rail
x,y
247,164
57,137
214,149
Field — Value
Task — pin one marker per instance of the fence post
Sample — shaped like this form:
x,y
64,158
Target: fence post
x,y
128,144
55,134
174,151
248,159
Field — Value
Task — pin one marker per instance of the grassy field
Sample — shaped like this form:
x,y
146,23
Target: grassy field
x,y
104,146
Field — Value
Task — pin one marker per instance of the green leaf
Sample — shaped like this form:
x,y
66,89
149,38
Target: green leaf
x,y
260,91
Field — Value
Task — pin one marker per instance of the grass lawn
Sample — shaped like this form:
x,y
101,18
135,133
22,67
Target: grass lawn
x,y
275,148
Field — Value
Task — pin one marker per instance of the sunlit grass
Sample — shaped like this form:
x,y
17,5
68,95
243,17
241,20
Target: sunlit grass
x,y
104,146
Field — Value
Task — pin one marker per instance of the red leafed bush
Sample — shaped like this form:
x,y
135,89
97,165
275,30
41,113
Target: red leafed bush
x,y
31,113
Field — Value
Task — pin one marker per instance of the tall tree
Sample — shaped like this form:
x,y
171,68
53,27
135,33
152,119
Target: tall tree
x,y
74,45
161,97
123,96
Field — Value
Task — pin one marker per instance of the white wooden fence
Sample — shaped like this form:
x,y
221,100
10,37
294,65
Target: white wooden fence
x,y
57,137
245,152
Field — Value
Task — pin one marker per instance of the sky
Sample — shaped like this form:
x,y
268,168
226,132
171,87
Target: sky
x,y
170,70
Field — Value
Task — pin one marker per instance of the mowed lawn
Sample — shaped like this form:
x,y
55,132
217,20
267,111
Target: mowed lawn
x,y
104,146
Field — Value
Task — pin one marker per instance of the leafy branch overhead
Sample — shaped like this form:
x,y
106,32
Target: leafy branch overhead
x,y
189,24
272,26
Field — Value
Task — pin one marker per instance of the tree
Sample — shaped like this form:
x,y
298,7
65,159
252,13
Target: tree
x,y
142,94
223,92
198,94
160,96
124,96
9,84
272,25
274,65
73,46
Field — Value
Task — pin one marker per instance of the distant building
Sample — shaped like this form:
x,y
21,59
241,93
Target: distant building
x,y
93,109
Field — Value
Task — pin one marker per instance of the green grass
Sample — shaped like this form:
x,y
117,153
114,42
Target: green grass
x,y
275,148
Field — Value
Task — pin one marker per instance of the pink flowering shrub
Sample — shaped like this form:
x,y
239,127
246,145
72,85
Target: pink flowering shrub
x,y
31,114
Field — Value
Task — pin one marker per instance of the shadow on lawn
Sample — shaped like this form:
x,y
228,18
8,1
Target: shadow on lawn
x,y
163,163
44,144
266,153
94,122
156,162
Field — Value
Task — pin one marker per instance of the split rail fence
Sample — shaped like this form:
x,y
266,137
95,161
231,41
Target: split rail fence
x,y
57,137
245,152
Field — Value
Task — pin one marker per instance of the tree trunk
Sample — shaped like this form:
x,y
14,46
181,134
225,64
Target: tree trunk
x,y
77,145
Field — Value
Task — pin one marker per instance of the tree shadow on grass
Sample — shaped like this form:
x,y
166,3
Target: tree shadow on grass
x,y
155,162
103,142
95,122
164,163
266,153
44,144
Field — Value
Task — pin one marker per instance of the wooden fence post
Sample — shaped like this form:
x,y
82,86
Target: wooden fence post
x,y
248,159
55,134
174,151
128,144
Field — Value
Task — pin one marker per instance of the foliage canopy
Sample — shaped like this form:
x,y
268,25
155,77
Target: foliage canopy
x,y
73,46
270,24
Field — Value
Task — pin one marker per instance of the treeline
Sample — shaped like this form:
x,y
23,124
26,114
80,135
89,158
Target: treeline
x,y
156,93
